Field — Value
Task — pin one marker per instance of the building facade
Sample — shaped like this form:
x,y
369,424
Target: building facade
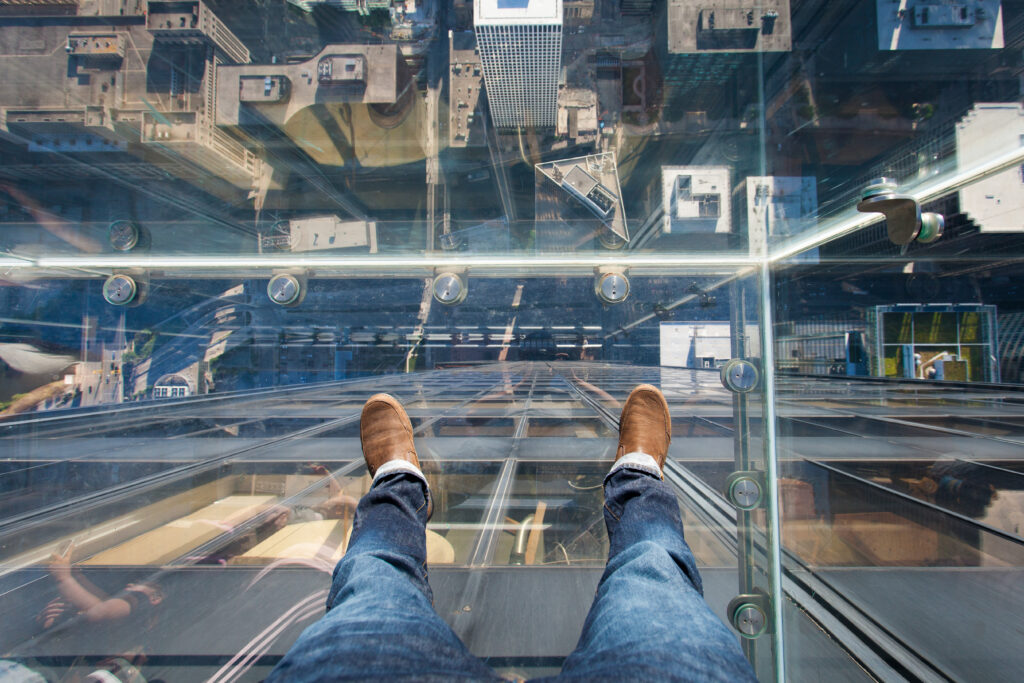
x,y
520,43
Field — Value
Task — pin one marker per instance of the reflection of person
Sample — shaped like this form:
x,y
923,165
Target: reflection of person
x,y
86,599
648,620
337,505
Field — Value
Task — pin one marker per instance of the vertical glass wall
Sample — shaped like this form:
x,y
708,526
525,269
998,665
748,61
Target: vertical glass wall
x,y
225,224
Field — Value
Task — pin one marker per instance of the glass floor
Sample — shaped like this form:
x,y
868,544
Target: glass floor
x,y
227,515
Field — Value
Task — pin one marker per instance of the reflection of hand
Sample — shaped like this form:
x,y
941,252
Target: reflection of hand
x,y
279,516
337,505
52,612
60,563
319,469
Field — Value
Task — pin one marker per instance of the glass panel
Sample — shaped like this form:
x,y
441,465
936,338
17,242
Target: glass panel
x,y
249,481
909,484
225,225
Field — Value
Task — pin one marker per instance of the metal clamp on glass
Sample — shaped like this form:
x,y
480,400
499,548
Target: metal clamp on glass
x,y
611,285
903,218
126,288
126,235
287,289
746,489
450,288
749,614
740,376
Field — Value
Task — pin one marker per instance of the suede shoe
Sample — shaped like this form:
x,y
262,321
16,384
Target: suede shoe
x,y
645,425
385,432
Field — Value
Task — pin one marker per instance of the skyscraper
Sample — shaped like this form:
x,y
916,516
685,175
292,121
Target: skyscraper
x,y
520,43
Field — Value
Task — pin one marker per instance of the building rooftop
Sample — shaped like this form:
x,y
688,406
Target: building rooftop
x,y
696,26
364,74
939,24
503,12
577,178
696,199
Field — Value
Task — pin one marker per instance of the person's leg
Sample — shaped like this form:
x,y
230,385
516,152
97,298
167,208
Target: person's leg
x,y
380,620
649,619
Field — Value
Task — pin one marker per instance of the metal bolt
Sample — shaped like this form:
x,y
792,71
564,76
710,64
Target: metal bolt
x,y
449,289
612,288
749,620
283,289
739,375
746,493
932,226
119,290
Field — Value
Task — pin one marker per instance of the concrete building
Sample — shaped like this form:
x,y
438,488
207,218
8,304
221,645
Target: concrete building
x,y
578,12
320,233
465,84
778,207
273,93
728,26
76,88
580,197
636,7
193,23
412,21
687,207
363,7
350,104
520,43
939,25
708,43
696,199
577,115
912,40
995,204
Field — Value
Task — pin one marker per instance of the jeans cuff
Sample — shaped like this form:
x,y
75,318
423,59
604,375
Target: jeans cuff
x,y
397,466
637,460
393,466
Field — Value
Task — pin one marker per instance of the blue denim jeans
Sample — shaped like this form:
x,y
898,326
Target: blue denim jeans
x,y
648,621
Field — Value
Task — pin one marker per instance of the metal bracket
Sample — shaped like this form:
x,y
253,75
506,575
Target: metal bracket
x,y
287,288
128,287
611,284
749,614
746,489
903,218
740,376
450,288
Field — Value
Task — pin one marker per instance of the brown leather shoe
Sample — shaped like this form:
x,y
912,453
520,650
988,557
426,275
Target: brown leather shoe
x,y
645,425
385,432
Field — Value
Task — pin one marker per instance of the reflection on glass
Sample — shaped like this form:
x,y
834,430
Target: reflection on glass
x,y
171,424
554,516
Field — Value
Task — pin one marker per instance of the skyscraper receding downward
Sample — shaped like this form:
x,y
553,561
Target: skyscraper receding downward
x,y
520,43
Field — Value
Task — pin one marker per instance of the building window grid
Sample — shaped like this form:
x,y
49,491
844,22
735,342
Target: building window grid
x,y
518,92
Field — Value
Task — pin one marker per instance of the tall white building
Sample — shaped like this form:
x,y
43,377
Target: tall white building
x,y
520,43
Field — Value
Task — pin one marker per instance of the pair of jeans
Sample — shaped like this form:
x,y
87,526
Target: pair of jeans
x,y
648,620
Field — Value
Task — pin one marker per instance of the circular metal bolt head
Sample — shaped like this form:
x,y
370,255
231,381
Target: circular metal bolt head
x,y
745,493
450,289
123,235
119,290
749,620
284,289
932,226
609,240
612,288
880,186
740,376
